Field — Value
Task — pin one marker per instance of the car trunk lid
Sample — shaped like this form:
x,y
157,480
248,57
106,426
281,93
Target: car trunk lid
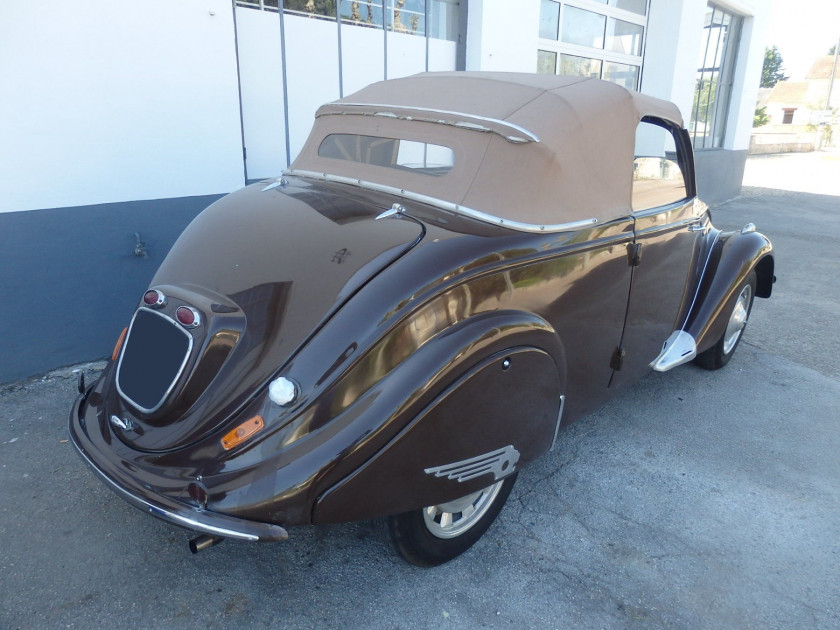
x,y
264,269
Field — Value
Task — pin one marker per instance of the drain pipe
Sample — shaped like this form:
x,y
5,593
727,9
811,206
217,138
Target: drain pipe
x,y
205,541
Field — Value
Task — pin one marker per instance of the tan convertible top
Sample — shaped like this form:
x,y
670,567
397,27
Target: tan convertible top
x,y
530,150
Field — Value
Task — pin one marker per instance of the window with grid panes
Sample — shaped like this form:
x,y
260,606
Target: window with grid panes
x,y
603,39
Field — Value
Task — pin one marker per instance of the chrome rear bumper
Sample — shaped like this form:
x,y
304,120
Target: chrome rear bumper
x,y
168,509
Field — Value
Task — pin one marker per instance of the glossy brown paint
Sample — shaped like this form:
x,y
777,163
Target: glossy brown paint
x,y
282,267
663,282
733,257
401,341
394,331
483,410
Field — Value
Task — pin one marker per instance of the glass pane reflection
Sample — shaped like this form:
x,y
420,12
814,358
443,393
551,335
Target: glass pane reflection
x,y
546,62
624,37
571,65
549,19
583,27
623,74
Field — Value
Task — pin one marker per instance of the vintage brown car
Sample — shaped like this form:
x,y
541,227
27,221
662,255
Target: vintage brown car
x,y
456,266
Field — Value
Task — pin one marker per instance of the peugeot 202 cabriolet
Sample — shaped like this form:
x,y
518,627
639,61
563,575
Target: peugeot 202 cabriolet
x,y
456,266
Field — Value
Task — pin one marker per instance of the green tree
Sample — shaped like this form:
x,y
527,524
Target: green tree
x,y
761,118
772,71
315,7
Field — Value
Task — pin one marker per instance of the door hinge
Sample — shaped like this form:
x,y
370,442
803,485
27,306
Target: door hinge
x,y
617,359
634,254
244,154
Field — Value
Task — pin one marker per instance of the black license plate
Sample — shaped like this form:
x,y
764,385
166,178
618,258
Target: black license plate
x,y
155,353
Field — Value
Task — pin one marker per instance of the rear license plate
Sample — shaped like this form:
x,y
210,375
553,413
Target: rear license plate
x,y
155,353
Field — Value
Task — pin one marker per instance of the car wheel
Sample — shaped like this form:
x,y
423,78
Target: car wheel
x,y
719,354
438,533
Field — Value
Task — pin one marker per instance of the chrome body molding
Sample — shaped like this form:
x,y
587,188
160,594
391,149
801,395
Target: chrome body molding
x,y
279,182
394,211
446,205
499,463
700,280
679,348
559,418
529,136
125,425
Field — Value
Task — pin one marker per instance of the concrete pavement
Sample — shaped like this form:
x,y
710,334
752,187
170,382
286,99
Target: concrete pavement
x,y
695,500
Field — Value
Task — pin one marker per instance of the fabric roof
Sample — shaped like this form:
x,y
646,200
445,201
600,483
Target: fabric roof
x,y
580,167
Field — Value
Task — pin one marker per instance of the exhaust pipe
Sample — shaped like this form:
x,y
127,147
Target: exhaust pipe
x,y
203,542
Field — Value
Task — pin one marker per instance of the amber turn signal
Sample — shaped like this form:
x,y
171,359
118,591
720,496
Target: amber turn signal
x,y
244,431
119,345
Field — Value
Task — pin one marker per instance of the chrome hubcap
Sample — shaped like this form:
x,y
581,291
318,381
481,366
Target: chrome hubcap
x,y
452,519
737,320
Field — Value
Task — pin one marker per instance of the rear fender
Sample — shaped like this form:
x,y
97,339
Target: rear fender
x,y
734,256
502,403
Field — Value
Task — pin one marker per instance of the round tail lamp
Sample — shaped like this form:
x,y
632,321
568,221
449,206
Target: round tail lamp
x,y
188,317
154,298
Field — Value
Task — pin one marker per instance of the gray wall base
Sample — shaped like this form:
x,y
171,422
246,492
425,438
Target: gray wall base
x,y
719,174
69,278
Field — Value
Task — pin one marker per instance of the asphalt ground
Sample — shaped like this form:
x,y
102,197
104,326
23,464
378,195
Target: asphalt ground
x,y
695,500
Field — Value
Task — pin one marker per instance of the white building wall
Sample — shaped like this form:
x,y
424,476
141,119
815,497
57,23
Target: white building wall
x,y
312,66
672,51
747,71
261,80
106,101
406,55
672,54
502,36
442,55
363,57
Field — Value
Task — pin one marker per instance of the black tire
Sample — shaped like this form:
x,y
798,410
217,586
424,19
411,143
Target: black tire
x,y
719,354
415,541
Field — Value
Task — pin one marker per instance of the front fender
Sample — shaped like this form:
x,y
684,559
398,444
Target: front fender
x,y
733,257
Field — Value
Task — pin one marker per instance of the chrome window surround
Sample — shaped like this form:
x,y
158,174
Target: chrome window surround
x,y
178,374
529,136
447,205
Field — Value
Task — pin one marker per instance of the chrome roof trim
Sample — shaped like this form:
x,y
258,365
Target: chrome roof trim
x,y
446,205
530,136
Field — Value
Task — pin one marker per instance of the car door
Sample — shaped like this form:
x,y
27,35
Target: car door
x,y
669,223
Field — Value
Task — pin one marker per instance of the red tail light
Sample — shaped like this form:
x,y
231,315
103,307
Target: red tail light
x,y
154,298
188,316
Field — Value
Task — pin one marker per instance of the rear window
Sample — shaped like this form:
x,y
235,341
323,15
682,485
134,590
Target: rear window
x,y
394,153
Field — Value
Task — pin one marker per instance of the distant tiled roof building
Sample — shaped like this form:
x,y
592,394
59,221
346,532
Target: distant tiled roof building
x,y
822,68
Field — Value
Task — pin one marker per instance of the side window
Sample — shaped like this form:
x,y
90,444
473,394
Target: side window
x,y
657,177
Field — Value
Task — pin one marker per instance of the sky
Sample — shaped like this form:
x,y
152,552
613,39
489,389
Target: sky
x,y
803,30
